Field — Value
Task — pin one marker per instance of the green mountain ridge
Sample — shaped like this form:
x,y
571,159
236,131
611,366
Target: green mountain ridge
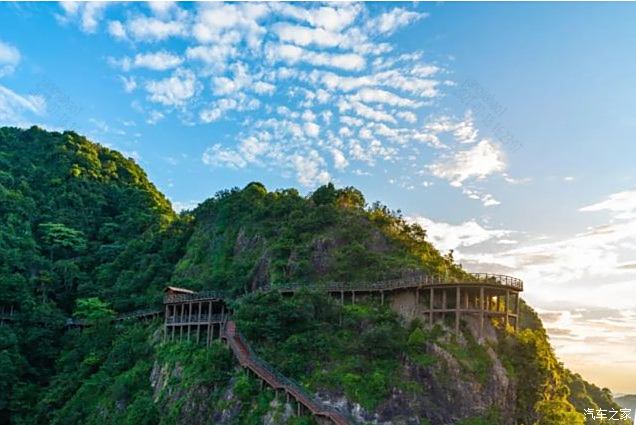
x,y
84,232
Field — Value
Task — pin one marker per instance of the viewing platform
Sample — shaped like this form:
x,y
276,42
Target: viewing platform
x,y
481,295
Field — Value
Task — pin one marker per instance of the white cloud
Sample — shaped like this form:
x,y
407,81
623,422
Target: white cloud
x,y
180,206
154,117
407,116
370,95
478,162
14,106
330,18
389,22
240,102
249,151
174,90
9,58
215,54
310,170
262,87
218,155
88,14
339,160
129,83
593,257
304,36
621,204
367,112
446,236
312,129
144,28
293,54
233,22
156,61
161,8
117,30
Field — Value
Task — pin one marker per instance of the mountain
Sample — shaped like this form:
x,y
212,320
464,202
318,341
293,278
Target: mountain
x,y
84,233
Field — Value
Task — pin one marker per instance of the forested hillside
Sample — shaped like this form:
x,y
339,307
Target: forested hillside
x,y
83,232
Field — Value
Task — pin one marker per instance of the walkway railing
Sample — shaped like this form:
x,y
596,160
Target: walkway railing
x,y
412,281
139,314
195,318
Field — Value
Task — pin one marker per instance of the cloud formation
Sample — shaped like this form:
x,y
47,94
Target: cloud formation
x,y
370,105
9,58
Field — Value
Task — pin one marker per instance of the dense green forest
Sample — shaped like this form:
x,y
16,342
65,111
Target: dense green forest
x,y
84,233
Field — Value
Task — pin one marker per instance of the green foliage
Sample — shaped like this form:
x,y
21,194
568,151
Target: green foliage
x,y
251,238
472,356
77,220
93,310
302,337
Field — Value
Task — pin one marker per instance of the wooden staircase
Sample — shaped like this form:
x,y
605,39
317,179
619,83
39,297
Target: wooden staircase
x,y
249,360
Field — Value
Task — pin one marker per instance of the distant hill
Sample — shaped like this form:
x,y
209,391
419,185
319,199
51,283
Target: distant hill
x,y
628,402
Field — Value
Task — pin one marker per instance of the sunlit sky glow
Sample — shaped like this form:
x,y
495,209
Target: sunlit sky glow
x,y
507,130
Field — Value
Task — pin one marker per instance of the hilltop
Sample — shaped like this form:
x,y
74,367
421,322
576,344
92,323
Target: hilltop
x,y
84,232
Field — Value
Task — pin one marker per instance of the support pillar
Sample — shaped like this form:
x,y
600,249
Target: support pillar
x,y
481,312
517,312
199,321
353,297
431,304
165,324
457,308
341,297
382,297
189,318
507,307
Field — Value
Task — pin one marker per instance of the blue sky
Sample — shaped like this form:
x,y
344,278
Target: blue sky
x,y
506,129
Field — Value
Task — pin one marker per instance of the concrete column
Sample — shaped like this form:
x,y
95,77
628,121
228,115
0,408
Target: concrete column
x,y
165,323
457,308
199,321
382,297
481,312
353,297
431,304
341,297
507,307
517,312
189,318
444,303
